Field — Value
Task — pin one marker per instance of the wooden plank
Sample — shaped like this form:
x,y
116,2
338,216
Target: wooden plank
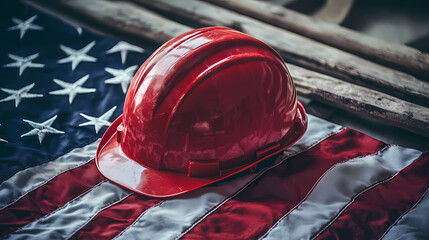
x,y
124,19
364,101
390,54
327,89
302,51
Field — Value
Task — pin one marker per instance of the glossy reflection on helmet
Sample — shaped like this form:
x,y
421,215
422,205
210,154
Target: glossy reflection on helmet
x,y
206,105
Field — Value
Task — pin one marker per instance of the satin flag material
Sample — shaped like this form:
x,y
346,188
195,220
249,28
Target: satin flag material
x,y
335,183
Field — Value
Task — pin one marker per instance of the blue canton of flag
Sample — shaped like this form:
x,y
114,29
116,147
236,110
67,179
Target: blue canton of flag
x,y
60,86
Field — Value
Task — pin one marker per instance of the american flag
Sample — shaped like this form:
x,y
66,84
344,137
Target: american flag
x,y
61,86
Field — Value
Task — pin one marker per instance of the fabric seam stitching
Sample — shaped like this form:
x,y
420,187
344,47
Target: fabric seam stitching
x,y
318,180
284,158
62,207
358,195
405,213
46,181
99,211
137,219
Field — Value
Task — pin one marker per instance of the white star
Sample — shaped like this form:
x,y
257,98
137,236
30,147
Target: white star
x,y
124,47
41,129
77,56
72,89
99,122
19,94
78,29
121,76
2,140
23,26
23,62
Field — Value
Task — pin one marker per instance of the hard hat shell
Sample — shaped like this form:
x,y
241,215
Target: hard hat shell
x,y
206,105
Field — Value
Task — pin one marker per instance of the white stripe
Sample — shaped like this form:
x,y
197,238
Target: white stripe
x,y
414,224
66,220
169,218
318,130
29,179
337,188
172,218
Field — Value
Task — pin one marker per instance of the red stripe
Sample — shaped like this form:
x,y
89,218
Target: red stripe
x,y
49,197
113,220
252,212
373,212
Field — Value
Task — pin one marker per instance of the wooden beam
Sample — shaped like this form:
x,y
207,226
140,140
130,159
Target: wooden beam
x,y
115,18
302,51
394,55
364,101
318,86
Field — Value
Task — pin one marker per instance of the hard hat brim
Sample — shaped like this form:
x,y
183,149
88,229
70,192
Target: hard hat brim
x,y
117,167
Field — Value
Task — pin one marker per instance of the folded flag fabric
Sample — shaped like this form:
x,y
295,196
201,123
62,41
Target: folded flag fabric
x,y
61,86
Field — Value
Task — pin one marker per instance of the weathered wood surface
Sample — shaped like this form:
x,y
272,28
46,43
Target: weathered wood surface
x,y
319,86
390,54
302,51
116,18
364,101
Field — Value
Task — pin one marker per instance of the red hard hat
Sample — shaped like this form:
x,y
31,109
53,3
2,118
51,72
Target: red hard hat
x,y
206,105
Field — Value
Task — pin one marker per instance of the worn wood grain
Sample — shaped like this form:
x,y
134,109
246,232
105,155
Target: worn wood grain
x,y
315,85
390,54
116,18
364,101
302,51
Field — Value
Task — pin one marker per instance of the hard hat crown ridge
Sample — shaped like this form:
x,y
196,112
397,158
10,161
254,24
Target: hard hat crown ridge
x,y
206,105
